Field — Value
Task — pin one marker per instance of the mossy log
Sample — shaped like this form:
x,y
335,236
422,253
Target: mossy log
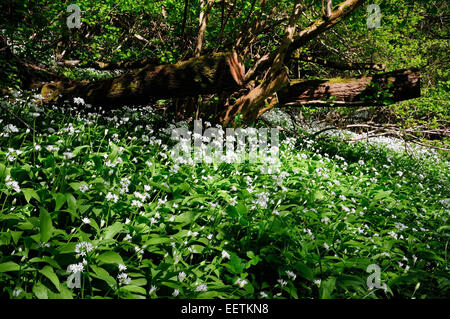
x,y
203,75
375,90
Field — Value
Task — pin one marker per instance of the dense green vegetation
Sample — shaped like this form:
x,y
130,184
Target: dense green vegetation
x,y
110,182
98,194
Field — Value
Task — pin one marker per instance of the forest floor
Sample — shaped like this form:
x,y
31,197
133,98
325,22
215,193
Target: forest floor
x,y
100,196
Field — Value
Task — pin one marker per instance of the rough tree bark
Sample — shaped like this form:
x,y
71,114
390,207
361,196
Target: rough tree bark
x,y
205,9
204,75
370,90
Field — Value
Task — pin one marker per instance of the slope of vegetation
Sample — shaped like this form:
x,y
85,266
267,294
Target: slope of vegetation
x,y
103,194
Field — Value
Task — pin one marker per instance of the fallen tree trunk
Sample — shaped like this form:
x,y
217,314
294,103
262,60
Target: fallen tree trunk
x,y
203,75
379,89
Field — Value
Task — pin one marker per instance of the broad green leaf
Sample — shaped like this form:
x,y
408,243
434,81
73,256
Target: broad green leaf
x,y
78,149
40,291
138,282
67,248
237,266
114,152
71,203
241,208
48,272
3,172
65,293
134,289
102,274
110,257
16,235
112,230
304,271
46,259
381,195
232,212
46,227
9,266
60,199
158,240
327,287
30,193
184,218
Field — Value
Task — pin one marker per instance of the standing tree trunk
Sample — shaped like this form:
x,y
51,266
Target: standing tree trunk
x,y
185,14
205,9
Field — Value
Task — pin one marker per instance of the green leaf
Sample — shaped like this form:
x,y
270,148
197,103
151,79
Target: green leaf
x,y
236,264
72,203
46,227
184,218
40,291
135,289
45,259
114,152
139,282
67,248
9,266
60,199
48,272
30,193
16,235
381,195
232,212
94,224
77,149
110,257
158,240
3,172
446,227
112,230
241,208
327,287
102,274
304,271
65,293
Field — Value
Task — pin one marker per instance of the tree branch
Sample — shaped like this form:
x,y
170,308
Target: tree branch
x,y
205,8
316,28
250,105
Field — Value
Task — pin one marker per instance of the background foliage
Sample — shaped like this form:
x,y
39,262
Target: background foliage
x,y
101,191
